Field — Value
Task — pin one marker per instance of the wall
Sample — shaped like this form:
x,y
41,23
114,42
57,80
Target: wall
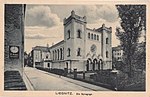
x,y
106,33
37,56
14,36
90,42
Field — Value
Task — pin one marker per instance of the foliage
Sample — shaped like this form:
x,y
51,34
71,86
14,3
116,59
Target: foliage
x,y
133,21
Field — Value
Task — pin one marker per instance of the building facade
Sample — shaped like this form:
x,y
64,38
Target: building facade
x,y
14,37
83,48
117,53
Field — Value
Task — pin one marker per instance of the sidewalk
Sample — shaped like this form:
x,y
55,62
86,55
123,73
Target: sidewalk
x,y
83,84
36,77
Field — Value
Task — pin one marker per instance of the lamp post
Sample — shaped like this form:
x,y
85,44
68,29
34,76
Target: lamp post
x,y
75,73
115,73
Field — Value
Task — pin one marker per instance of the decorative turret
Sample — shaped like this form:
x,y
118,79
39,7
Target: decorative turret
x,y
74,36
72,13
73,16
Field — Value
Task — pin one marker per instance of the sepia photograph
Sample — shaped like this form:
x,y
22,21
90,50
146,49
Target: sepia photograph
x,y
75,47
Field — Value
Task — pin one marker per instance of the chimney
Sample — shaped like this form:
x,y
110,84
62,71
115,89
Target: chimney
x,y
47,45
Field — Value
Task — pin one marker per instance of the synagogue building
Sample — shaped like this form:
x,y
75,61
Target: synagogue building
x,y
83,48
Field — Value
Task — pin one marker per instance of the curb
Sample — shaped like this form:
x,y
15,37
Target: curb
x,y
27,82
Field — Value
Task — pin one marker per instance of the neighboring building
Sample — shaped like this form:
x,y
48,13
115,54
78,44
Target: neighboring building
x,y
117,53
14,47
82,48
14,37
41,57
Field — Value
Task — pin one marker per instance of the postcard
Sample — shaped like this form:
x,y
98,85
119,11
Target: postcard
x,y
74,48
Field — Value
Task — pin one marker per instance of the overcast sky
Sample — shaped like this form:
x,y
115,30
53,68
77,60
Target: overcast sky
x,y
44,23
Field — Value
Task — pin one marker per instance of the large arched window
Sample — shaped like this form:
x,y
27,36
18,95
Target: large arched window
x,y
68,34
58,54
61,53
55,54
79,34
68,52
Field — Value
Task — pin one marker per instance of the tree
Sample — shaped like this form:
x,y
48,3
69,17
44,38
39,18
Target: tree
x,y
133,21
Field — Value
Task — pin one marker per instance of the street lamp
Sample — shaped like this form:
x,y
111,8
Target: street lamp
x,y
115,73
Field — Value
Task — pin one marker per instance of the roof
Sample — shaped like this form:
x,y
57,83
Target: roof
x,y
100,29
117,48
92,29
61,42
104,28
42,48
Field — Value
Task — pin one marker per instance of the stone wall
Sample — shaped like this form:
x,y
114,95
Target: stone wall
x,y
14,37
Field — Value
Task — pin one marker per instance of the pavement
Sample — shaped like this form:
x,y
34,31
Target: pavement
x,y
41,80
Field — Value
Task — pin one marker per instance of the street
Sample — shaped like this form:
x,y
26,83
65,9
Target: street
x,y
41,80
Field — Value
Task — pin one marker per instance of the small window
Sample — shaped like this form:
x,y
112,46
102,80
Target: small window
x,y
94,37
79,34
68,34
79,52
46,56
106,40
69,52
97,37
106,54
89,35
48,64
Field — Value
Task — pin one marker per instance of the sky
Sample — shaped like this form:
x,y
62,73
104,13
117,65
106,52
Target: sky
x,y
44,23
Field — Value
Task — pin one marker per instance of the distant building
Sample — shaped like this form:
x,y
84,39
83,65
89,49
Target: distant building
x,y
117,53
41,57
82,48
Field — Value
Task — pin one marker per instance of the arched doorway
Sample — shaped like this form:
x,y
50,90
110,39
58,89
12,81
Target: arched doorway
x,y
89,61
94,64
100,65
